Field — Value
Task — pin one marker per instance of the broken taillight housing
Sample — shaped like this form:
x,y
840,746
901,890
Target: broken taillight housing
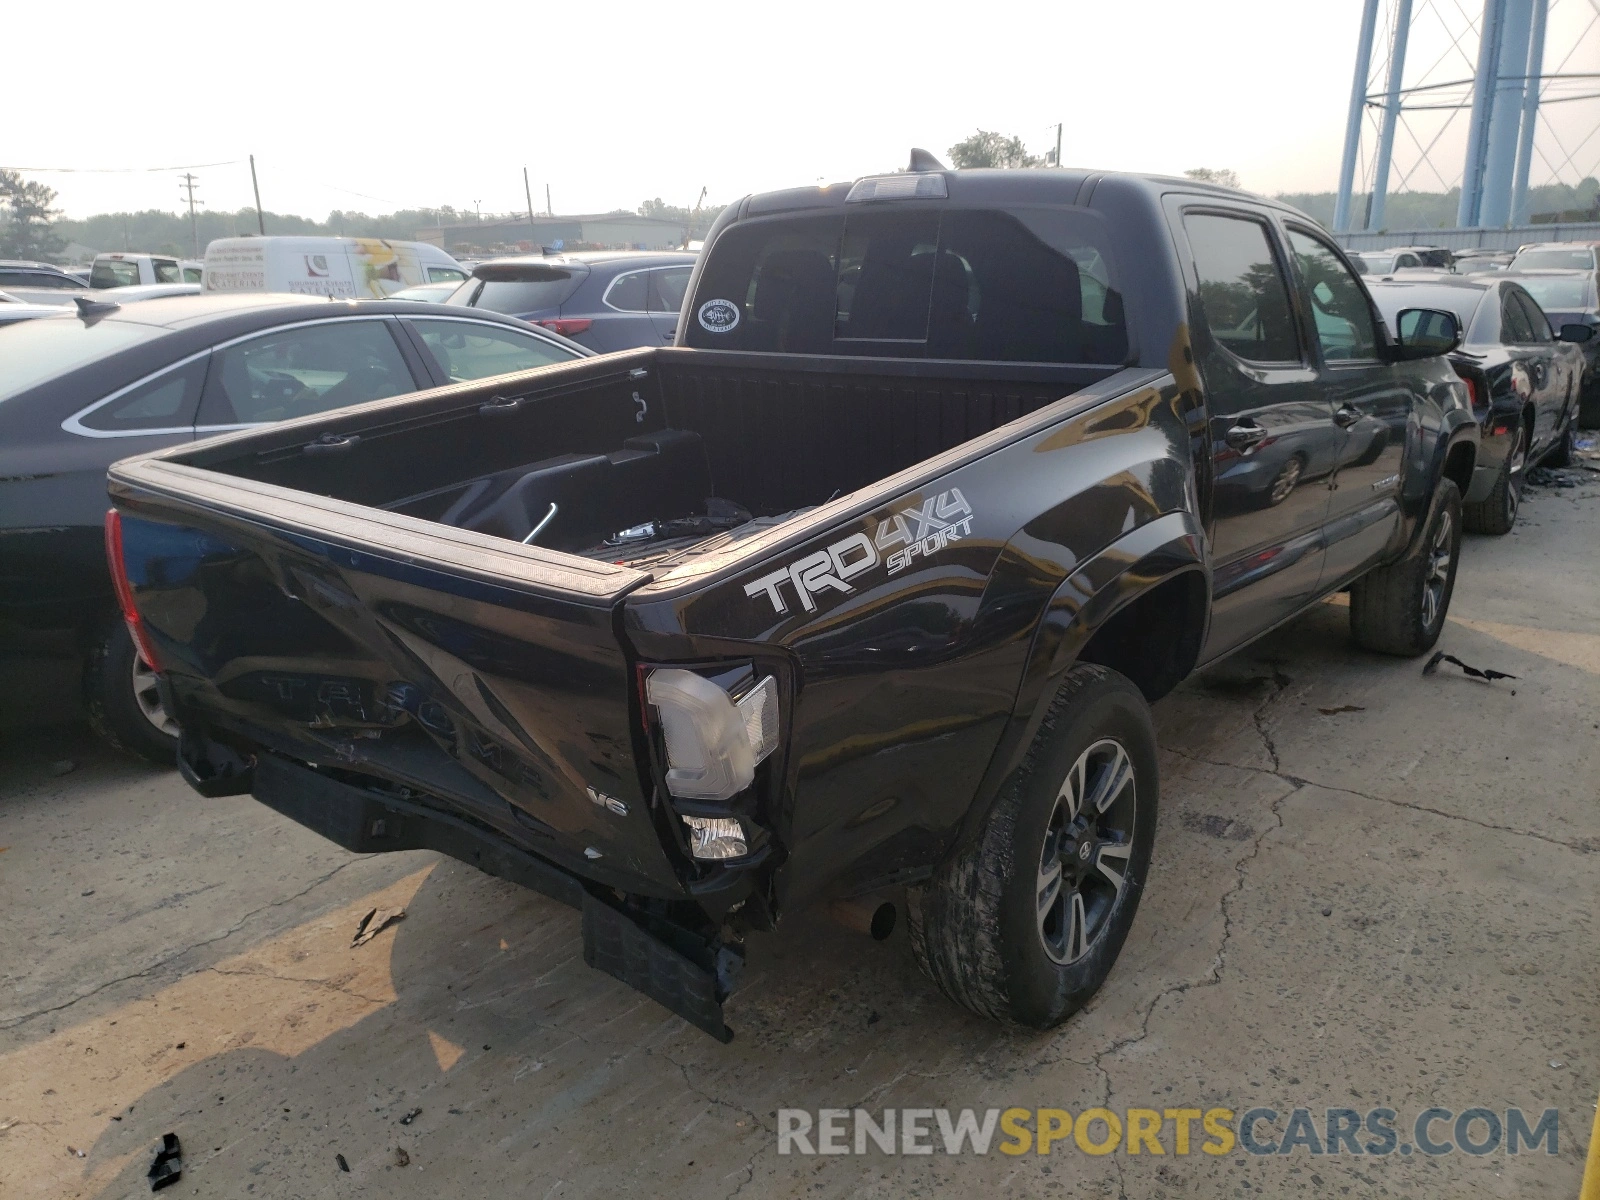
x,y
713,742
124,590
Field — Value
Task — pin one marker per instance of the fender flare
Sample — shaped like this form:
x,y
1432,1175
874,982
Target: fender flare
x,y
1096,590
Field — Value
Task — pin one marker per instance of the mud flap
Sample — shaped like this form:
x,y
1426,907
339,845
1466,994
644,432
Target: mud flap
x,y
614,943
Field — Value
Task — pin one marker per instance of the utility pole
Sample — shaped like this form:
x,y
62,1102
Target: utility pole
x,y
478,210
528,193
548,211
261,221
1058,143
194,225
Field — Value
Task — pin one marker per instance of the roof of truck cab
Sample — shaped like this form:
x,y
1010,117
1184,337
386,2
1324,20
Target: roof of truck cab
x,y
983,185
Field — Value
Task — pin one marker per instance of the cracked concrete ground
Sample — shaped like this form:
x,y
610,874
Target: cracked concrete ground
x,y
1370,888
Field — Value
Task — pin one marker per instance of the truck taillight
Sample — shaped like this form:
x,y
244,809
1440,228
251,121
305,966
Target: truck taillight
x,y
567,326
119,580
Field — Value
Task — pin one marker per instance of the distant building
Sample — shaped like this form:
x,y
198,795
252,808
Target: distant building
x,y
510,235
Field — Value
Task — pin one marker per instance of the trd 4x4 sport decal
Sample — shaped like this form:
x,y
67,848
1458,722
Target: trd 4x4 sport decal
x,y
919,531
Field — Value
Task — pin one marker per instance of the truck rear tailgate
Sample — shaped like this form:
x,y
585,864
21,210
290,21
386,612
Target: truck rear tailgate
x,y
469,668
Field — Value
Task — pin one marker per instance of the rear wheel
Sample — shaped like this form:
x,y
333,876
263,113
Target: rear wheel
x,y
1566,448
1025,922
1497,512
122,700
1400,608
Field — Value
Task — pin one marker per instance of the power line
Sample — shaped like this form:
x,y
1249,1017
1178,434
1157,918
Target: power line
x,y
122,170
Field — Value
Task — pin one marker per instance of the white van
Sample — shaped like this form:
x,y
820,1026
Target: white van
x,y
325,266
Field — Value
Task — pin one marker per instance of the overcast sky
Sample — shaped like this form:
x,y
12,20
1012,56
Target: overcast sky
x,y
356,105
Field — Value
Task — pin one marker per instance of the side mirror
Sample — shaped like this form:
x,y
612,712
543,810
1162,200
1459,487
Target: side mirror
x,y
1575,333
1424,333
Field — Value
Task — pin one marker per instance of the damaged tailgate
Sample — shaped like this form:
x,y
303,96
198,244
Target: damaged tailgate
x,y
470,668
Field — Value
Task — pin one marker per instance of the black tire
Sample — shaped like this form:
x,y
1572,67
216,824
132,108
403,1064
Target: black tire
x,y
1497,512
1565,448
1389,611
111,697
976,927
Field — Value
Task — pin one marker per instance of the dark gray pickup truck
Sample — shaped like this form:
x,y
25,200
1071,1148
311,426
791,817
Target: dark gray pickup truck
x,y
863,587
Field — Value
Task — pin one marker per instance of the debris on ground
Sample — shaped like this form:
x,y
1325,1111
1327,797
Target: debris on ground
x,y
343,1166
1556,477
374,923
411,1116
167,1168
1327,911
1343,708
76,1153
63,766
1487,674
401,1158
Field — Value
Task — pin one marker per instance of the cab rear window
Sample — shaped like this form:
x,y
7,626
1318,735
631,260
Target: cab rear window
x,y
1010,285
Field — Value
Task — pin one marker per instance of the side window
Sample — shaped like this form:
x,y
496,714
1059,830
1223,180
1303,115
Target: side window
x,y
308,369
167,271
192,275
469,350
445,275
166,402
1406,260
1537,321
1242,288
44,279
1338,303
629,293
1514,323
667,287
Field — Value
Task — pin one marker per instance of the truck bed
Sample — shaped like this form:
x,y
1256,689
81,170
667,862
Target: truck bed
x,y
640,442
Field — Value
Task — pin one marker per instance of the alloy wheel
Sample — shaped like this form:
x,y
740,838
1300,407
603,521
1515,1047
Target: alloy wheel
x,y
1515,462
148,697
1288,478
1083,865
1440,552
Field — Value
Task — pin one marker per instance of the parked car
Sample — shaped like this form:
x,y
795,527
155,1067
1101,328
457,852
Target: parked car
x,y
1477,260
145,291
1404,258
340,267
428,293
865,583
606,299
12,309
1573,298
78,393
38,282
129,269
1558,256
1523,378
80,272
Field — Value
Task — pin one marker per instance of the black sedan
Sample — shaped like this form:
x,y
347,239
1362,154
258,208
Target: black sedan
x,y
606,299
1522,375
1572,298
98,382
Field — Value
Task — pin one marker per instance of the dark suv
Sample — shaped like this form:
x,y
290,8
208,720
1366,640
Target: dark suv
x,y
605,299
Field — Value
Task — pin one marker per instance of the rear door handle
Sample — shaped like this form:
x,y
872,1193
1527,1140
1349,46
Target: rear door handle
x,y
1242,436
1346,416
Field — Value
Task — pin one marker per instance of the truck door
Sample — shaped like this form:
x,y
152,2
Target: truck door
x,y
1371,404
1271,429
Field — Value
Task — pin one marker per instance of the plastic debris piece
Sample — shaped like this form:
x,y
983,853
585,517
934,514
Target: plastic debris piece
x,y
76,1153
411,1116
63,766
374,923
401,1158
343,1166
9,1122
1343,708
1487,674
167,1168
